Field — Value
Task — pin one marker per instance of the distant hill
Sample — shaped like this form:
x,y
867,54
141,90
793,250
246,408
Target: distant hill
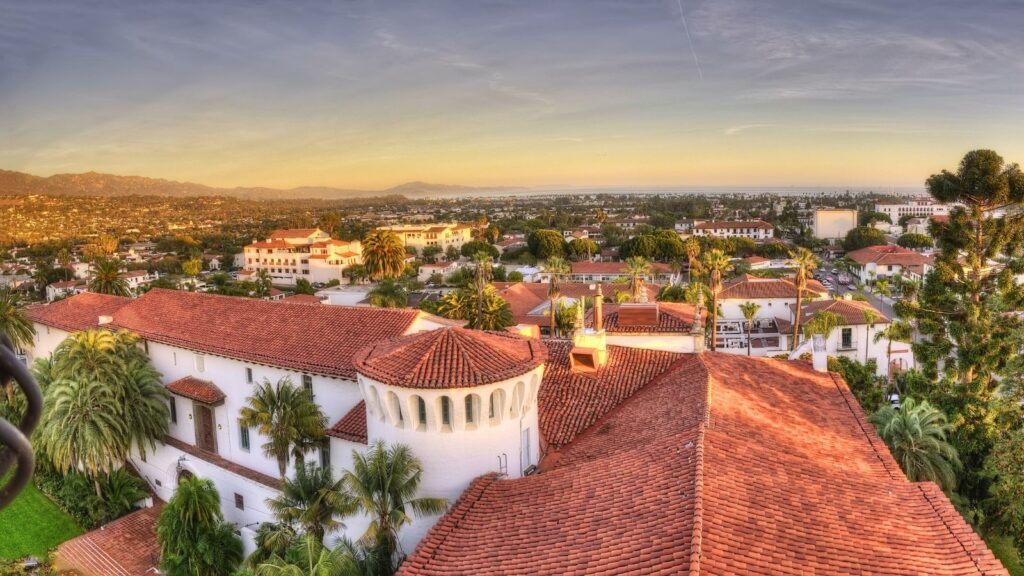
x,y
96,184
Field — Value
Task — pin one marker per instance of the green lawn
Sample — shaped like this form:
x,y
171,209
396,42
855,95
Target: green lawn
x,y
32,524
1002,547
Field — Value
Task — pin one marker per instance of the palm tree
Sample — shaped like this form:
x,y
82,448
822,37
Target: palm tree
x,y
64,260
601,216
383,254
82,429
13,322
916,434
288,417
481,280
313,500
106,278
462,304
898,331
805,262
555,266
384,482
389,294
692,253
144,408
870,317
823,323
89,354
307,557
193,537
263,283
715,263
637,268
749,310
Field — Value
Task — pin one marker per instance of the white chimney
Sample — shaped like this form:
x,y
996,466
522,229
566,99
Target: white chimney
x,y
105,319
819,358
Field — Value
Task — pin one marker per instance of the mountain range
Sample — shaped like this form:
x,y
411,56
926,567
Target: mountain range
x,y
112,185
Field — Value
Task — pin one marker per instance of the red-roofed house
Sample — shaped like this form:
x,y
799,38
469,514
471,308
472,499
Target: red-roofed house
x,y
308,253
876,262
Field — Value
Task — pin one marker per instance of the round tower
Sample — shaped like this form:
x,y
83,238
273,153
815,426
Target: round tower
x,y
464,401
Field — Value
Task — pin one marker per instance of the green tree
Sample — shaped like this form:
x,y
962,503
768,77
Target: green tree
x,y
915,241
194,539
13,322
898,331
383,254
870,217
313,500
462,304
389,294
637,268
823,323
692,247
870,318
804,262
263,283
862,237
430,253
716,263
288,417
583,248
471,248
302,286
917,436
1005,466
546,243
106,278
385,482
192,267
307,557
749,310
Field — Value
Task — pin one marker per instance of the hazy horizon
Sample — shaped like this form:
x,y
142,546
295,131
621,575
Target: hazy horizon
x,y
572,94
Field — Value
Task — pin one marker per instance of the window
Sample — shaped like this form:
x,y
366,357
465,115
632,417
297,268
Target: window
x,y
446,411
174,410
174,358
307,383
248,375
325,455
847,338
490,408
243,435
470,416
421,411
200,363
239,501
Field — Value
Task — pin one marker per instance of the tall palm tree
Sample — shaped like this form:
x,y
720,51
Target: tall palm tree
x,y
389,294
481,280
263,283
692,253
287,416
144,408
917,436
555,267
898,331
82,428
870,317
385,482
307,557
193,537
823,323
749,310
106,278
637,268
90,354
804,262
13,322
383,254
64,260
313,500
716,263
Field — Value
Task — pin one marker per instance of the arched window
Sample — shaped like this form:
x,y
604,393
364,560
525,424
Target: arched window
x,y
395,410
419,408
471,401
374,403
495,406
446,413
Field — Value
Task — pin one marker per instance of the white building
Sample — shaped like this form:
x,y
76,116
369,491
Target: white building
x,y
753,229
772,328
136,279
856,338
312,254
57,290
875,262
923,208
419,236
834,223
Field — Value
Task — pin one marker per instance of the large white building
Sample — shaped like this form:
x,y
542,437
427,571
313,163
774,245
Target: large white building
x,y
753,229
922,208
312,254
419,236
877,262
556,456
834,223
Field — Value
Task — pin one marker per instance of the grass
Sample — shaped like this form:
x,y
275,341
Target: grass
x,y
1002,546
32,525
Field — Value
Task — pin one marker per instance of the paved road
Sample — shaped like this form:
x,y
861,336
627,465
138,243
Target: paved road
x,y
883,306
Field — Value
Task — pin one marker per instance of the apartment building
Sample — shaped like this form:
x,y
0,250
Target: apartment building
x,y
419,236
753,229
312,254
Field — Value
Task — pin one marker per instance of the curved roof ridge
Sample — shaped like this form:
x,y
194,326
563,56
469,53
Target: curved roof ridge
x,y
941,508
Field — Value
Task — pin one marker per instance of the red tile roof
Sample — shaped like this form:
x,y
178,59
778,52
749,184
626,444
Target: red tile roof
x,y
886,255
125,547
77,313
524,297
747,287
851,311
224,463
450,358
672,318
293,233
200,390
352,426
316,339
722,464
300,299
615,268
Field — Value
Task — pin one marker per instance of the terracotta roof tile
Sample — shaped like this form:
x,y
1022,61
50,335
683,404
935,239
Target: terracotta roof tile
x,y
748,287
720,464
614,268
672,318
125,547
200,390
77,313
352,426
450,358
316,339
851,311
887,255
524,297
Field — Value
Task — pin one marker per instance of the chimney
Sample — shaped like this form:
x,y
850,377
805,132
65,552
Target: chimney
x,y
819,357
105,319
599,309
589,352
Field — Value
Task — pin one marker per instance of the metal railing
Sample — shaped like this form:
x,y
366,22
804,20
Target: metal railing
x,y
15,449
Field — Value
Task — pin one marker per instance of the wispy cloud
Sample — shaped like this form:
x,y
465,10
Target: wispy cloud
x,y
734,130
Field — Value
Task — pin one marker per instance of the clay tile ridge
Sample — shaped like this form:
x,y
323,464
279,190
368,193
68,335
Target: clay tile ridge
x,y
449,358
698,472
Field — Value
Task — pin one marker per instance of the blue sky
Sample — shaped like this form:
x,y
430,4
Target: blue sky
x,y
584,92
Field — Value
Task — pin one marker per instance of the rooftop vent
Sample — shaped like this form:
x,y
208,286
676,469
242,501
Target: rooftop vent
x,y
105,319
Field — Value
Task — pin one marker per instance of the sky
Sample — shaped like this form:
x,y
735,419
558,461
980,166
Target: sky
x,y
370,94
